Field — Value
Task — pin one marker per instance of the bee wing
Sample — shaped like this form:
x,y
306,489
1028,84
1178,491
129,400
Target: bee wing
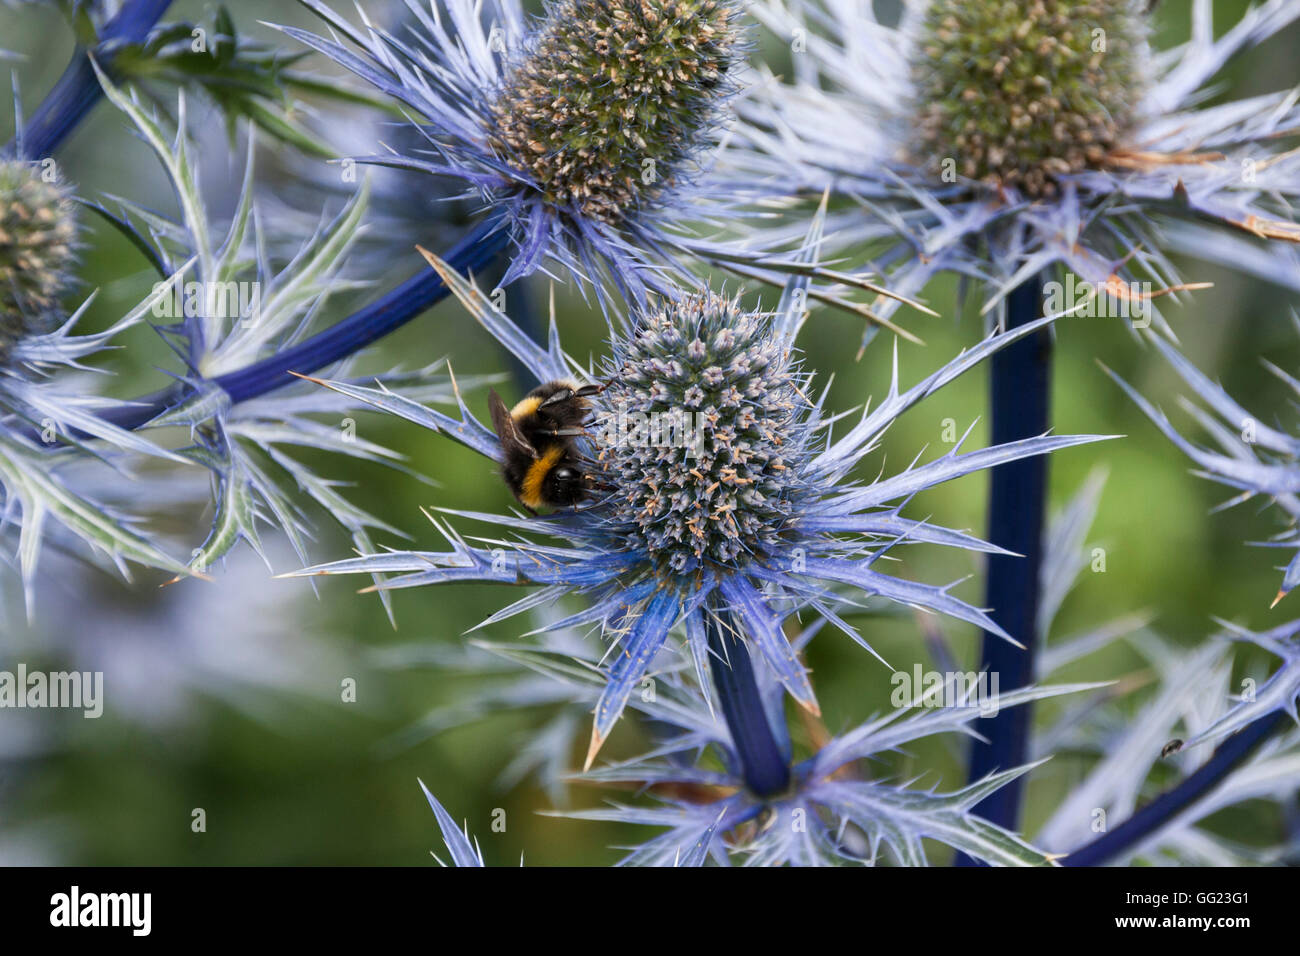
x,y
512,439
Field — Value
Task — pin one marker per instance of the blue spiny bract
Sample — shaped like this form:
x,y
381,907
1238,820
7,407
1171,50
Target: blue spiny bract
x,y
1019,93
727,496
37,236
606,108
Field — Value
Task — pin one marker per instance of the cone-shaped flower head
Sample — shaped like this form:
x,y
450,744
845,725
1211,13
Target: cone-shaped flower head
x,y
1017,93
1000,140
38,232
725,494
586,131
606,108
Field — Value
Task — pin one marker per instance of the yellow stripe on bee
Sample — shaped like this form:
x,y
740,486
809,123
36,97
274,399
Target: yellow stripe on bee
x,y
537,472
525,407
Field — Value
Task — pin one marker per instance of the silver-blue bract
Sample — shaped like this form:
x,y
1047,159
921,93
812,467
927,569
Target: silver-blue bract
x,y
1252,457
227,297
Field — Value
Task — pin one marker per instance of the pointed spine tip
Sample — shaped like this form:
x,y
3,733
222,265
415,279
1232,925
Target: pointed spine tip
x,y
597,741
438,265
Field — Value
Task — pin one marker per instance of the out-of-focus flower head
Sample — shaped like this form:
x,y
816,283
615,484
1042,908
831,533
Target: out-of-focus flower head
x,y
998,139
38,234
837,810
164,652
48,419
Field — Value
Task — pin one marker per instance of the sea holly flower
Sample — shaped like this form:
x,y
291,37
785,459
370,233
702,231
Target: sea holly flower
x,y
1056,104
587,134
1043,152
582,130
997,140
750,519
693,784
38,235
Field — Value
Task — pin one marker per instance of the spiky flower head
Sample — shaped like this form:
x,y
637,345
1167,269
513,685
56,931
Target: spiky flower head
x,y
725,492
1018,93
589,132
906,114
746,511
38,231
606,107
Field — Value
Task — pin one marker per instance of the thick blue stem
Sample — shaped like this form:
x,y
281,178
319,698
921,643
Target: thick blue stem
x,y
1156,814
474,253
78,89
763,763
1020,398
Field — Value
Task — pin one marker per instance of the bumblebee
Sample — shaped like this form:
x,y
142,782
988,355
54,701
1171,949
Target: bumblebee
x,y
541,463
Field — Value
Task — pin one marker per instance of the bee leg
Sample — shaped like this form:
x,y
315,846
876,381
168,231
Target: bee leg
x,y
568,394
567,432
589,390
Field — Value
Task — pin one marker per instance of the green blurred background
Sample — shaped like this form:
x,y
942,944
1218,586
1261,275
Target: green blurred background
x,y
234,686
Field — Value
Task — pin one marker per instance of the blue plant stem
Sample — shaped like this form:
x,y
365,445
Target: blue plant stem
x,y
763,762
1020,397
1229,755
474,253
78,90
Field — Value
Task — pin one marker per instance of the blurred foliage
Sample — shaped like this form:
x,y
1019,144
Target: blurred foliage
x,y
317,783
